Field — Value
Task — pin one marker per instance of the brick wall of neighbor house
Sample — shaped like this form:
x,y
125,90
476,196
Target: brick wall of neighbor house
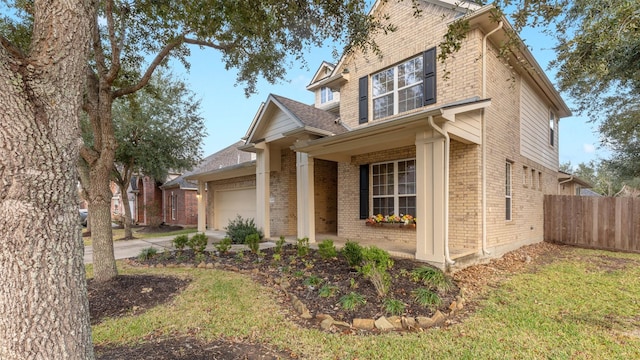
x,y
242,182
283,210
186,207
412,37
326,196
149,200
350,225
465,198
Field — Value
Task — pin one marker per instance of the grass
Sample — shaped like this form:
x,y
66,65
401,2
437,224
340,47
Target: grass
x,y
583,305
118,234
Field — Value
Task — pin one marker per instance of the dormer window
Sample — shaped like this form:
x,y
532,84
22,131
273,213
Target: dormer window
x,y
326,95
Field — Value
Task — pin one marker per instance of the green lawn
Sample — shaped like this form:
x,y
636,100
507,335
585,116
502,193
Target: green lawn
x,y
118,234
584,305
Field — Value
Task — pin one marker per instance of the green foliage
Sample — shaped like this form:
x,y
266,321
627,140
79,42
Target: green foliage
x,y
277,257
352,301
239,228
426,298
302,247
253,242
198,242
313,280
352,252
147,253
279,244
298,273
432,277
326,249
394,306
375,267
224,245
239,256
328,291
200,257
180,242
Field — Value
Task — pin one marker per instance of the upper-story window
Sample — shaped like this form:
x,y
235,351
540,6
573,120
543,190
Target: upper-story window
x,y
326,95
403,87
552,127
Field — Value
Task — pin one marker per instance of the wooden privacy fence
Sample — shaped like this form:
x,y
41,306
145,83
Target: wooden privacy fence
x,y
595,222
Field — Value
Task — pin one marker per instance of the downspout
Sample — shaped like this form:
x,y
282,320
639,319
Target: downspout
x,y
484,141
564,182
447,141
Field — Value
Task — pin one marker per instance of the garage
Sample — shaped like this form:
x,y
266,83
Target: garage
x,y
229,203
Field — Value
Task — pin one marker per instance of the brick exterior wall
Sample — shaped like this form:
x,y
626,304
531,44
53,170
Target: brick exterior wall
x,y
465,197
283,210
186,207
149,202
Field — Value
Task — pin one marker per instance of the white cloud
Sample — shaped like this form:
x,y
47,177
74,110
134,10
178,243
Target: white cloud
x,y
589,148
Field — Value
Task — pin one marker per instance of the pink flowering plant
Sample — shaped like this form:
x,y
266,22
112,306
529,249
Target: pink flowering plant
x,y
391,219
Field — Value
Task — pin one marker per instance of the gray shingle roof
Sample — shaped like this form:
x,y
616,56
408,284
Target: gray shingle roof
x,y
312,116
180,182
226,157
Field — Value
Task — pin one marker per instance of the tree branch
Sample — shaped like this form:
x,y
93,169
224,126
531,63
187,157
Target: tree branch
x,y
221,47
152,67
98,53
12,49
89,155
115,49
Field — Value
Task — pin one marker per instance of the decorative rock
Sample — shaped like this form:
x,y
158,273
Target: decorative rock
x,y
438,318
202,265
364,324
210,266
306,315
342,324
459,302
453,306
408,323
171,265
396,321
326,323
322,317
425,322
383,324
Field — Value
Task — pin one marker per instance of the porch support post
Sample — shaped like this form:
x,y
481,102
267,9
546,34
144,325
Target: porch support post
x,y
202,207
430,190
305,195
263,162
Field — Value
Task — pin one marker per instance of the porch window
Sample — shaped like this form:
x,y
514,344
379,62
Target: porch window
x,y
394,187
397,89
508,191
326,95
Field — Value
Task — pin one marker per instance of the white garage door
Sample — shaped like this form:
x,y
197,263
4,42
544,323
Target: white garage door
x,y
230,203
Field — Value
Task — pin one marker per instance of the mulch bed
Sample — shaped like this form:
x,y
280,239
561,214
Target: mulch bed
x,y
130,294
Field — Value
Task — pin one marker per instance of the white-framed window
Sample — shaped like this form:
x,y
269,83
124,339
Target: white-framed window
x,y
508,193
394,187
525,175
326,95
533,178
174,206
539,180
398,89
552,127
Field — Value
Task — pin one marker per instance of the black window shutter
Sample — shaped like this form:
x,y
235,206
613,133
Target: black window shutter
x,y
363,101
429,82
364,191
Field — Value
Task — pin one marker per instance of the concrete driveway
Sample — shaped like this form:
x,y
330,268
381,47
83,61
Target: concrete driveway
x,y
131,248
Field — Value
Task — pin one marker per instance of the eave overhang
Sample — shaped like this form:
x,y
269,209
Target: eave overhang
x,y
243,169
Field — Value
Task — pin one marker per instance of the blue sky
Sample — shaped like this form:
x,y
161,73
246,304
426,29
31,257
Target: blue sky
x,y
228,113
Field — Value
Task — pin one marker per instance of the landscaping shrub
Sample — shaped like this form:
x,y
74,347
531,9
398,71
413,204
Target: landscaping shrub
x,y
253,242
224,245
312,280
180,241
328,291
393,306
147,253
352,301
326,249
432,278
426,298
375,265
239,228
352,252
303,246
198,242
279,244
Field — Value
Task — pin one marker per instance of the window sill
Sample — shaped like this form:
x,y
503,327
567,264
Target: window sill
x,y
391,225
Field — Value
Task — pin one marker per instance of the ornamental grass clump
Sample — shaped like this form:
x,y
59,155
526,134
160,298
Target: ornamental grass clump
x,y
375,267
352,301
432,278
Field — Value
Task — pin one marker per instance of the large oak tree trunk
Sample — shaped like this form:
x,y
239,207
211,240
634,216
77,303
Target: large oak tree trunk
x,y
128,232
43,296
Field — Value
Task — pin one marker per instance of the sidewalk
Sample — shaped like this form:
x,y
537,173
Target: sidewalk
x,y
123,249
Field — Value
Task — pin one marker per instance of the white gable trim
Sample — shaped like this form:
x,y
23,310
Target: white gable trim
x,y
261,119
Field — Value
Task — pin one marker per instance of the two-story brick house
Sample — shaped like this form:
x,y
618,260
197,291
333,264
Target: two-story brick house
x,y
469,155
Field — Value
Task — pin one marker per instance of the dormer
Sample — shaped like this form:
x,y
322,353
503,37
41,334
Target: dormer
x,y
327,95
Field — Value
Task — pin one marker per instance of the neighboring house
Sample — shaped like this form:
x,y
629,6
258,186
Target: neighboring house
x,y
469,155
569,184
180,202
145,201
